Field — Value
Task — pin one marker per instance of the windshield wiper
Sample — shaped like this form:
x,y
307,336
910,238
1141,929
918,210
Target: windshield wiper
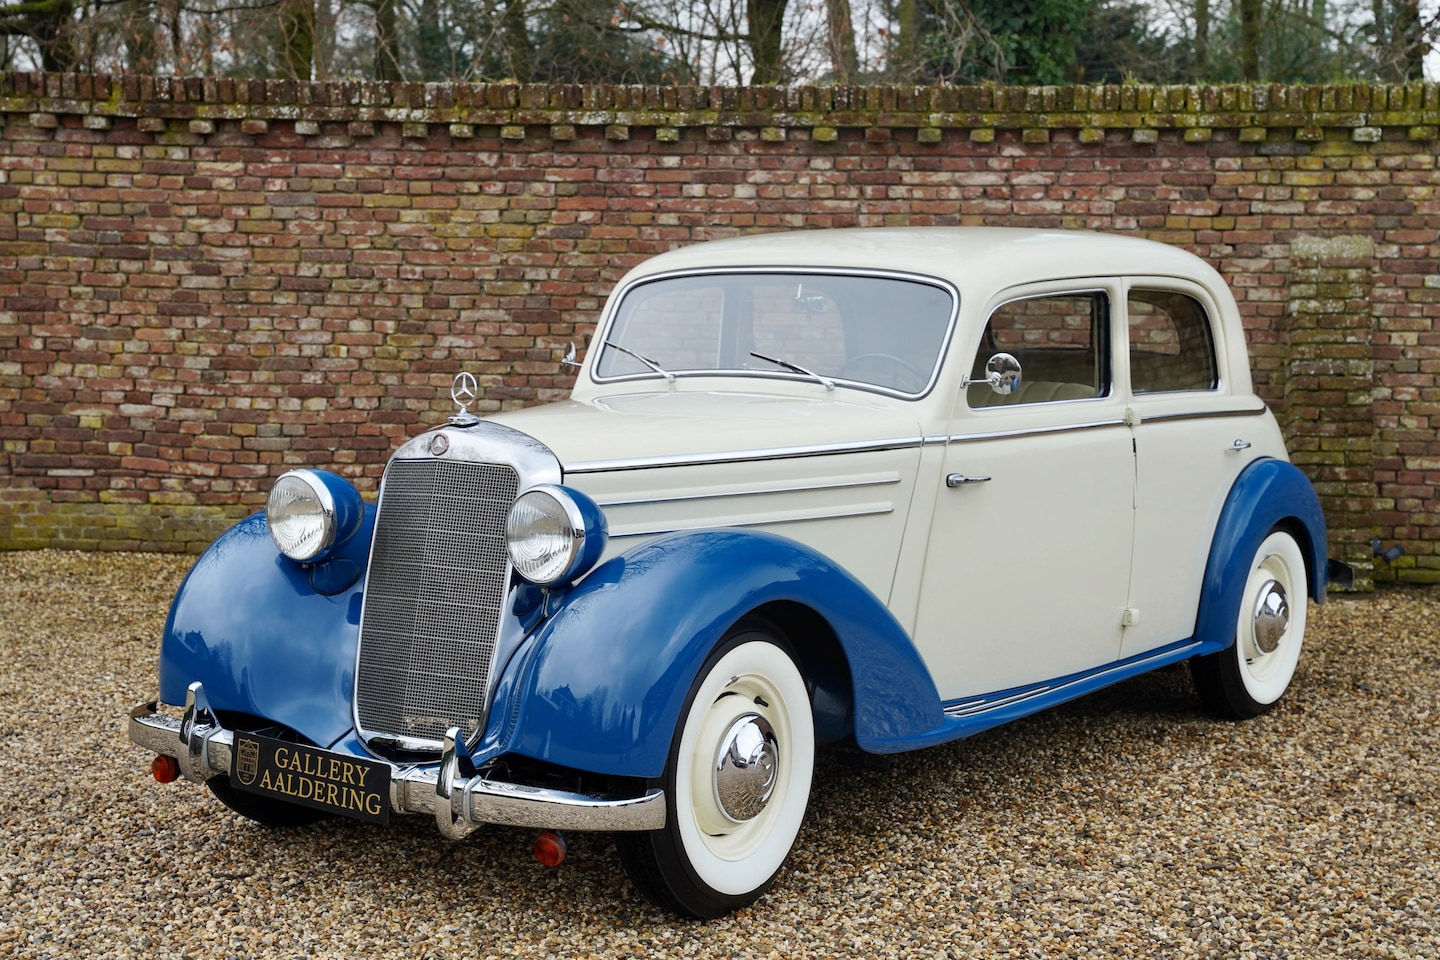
x,y
669,377
796,368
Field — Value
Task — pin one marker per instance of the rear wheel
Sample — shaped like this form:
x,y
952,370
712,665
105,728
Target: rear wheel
x,y
736,784
1253,673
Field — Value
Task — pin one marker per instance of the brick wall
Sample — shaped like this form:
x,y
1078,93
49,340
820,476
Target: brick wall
x,y
205,282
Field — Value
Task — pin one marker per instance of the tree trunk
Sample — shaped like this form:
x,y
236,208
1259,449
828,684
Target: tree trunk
x,y
766,18
1410,44
517,40
842,40
297,26
1250,39
907,47
387,43
1202,38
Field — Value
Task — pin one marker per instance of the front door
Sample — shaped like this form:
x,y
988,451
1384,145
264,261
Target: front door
x,y
1028,565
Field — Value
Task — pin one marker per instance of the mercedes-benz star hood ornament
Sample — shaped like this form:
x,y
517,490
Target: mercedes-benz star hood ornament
x,y
464,391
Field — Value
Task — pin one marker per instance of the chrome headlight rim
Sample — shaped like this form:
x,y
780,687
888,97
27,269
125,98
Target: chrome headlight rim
x,y
583,534
338,516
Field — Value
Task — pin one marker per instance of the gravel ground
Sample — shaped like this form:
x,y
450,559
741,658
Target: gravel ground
x,y
1124,824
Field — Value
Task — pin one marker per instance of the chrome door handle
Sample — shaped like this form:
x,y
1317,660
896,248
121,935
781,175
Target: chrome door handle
x,y
1239,445
960,480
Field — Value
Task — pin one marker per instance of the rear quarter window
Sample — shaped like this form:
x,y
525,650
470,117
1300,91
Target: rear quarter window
x,y
1172,347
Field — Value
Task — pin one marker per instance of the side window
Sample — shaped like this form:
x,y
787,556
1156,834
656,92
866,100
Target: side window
x,y
1171,347
1060,342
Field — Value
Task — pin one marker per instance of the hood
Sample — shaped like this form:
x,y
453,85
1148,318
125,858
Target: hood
x,y
685,426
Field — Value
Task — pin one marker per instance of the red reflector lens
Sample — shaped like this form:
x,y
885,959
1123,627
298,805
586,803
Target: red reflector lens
x,y
550,848
165,769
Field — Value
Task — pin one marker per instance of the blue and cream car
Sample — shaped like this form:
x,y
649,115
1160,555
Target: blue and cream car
x,y
878,489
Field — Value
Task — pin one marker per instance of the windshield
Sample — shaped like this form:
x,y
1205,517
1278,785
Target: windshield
x,y
876,332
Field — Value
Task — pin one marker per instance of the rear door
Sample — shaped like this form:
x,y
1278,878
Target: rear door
x,y
1193,436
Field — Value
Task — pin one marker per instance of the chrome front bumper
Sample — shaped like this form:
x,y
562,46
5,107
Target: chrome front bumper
x,y
203,749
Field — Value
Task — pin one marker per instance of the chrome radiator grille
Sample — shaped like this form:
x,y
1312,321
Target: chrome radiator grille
x,y
432,601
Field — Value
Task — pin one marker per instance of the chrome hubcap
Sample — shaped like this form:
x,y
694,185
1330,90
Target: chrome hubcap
x,y
1272,616
745,768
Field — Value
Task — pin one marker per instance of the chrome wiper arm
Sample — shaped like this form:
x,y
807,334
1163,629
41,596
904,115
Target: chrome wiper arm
x,y
796,368
669,377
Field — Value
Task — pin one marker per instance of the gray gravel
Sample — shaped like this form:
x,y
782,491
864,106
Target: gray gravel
x,y
1126,824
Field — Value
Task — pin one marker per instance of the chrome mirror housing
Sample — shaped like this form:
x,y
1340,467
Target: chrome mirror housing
x,y
1002,373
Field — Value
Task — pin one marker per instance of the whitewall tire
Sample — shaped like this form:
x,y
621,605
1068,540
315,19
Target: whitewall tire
x,y
737,781
1251,675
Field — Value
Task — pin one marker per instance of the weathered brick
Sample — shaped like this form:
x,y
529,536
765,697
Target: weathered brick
x,y
181,320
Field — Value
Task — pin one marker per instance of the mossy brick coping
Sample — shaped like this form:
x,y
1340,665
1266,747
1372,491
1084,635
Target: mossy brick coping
x,y
41,99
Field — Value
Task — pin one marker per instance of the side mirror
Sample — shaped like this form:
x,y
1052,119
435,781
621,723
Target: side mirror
x,y
1002,372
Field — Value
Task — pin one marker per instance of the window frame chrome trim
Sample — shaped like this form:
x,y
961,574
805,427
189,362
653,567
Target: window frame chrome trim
x,y
607,325
1107,333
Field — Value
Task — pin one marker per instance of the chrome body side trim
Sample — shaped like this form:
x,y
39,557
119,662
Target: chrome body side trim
x,y
975,706
1035,431
1093,425
203,748
755,490
1213,415
760,520
741,456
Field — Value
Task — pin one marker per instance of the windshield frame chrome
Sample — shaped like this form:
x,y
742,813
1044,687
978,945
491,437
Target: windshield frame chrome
x,y
606,329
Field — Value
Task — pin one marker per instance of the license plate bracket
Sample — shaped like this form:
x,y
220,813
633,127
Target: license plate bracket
x,y
311,777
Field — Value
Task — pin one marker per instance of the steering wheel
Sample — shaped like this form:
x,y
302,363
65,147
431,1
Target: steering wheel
x,y
885,370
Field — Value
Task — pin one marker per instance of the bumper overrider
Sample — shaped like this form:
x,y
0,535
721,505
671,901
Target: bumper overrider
x,y
451,791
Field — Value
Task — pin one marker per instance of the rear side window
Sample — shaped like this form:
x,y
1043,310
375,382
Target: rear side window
x,y
1171,346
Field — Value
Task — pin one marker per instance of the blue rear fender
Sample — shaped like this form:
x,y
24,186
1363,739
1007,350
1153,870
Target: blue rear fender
x,y
1268,494
610,671
250,625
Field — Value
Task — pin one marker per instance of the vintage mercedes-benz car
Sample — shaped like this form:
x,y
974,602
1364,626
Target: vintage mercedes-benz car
x,y
870,488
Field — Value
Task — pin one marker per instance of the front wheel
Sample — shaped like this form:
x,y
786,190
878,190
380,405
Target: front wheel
x,y
1250,676
736,784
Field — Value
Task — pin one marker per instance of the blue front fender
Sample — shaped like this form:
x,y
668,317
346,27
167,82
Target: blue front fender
x,y
248,623
612,668
1267,494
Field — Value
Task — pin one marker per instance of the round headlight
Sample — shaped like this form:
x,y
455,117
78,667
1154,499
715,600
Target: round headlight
x,y
554,534
309,512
